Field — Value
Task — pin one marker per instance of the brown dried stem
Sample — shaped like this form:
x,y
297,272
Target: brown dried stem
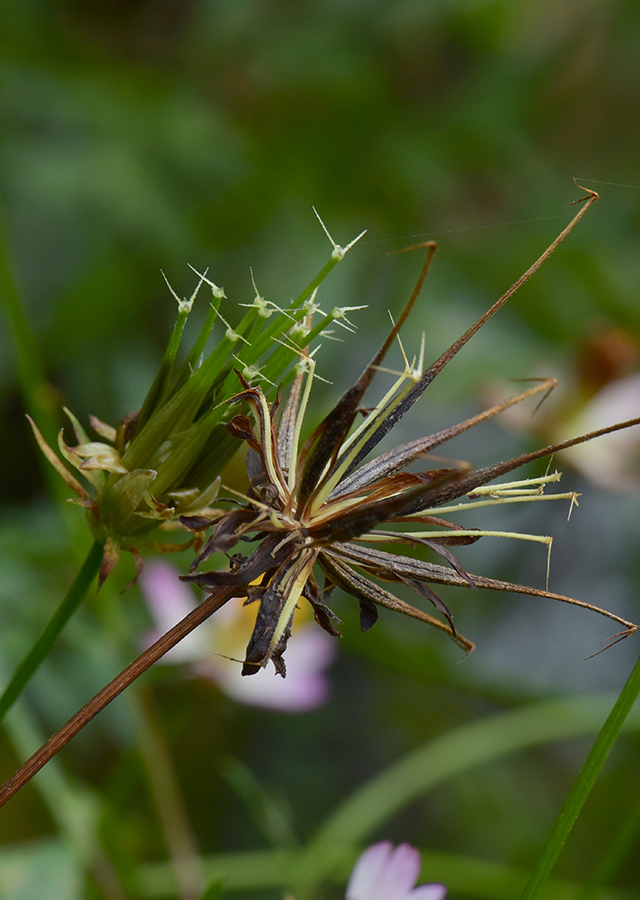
x,y
62,737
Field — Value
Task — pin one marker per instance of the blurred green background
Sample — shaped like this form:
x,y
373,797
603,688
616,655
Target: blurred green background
x,y
149,135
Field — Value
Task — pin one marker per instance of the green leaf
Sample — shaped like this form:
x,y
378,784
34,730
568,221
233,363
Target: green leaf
x,y
585,781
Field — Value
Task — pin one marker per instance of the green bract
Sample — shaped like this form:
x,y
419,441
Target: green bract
x,y
164,460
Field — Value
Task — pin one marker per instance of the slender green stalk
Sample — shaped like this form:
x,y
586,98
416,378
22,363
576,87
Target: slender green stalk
x,y
39,401
585,781
622,844
71,601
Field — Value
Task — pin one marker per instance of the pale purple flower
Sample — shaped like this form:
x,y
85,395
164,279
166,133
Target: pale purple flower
x,y
613,461
214,648
383,872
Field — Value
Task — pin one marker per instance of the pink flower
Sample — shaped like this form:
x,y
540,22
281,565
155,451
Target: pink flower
x,y
613,460
385,873
214,649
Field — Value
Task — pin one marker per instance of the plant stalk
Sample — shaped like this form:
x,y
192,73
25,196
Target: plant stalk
x,y
582,787
122,681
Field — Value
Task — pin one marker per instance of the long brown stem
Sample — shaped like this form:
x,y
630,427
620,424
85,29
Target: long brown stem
x,y
62,737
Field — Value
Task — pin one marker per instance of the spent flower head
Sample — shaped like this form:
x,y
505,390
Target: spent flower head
x,y
320,515
164,460
318,510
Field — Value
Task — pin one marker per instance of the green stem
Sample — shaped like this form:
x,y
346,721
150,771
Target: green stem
x,y
585,781
49,636
623,843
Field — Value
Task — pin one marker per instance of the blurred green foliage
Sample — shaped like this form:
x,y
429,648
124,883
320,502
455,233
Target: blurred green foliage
x,y
151,134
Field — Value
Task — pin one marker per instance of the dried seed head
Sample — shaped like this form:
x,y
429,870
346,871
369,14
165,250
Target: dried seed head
x,y
317,507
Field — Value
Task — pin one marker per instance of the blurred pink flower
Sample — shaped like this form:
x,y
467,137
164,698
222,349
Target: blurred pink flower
x,y
613,461
598,389
214,649
386,873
